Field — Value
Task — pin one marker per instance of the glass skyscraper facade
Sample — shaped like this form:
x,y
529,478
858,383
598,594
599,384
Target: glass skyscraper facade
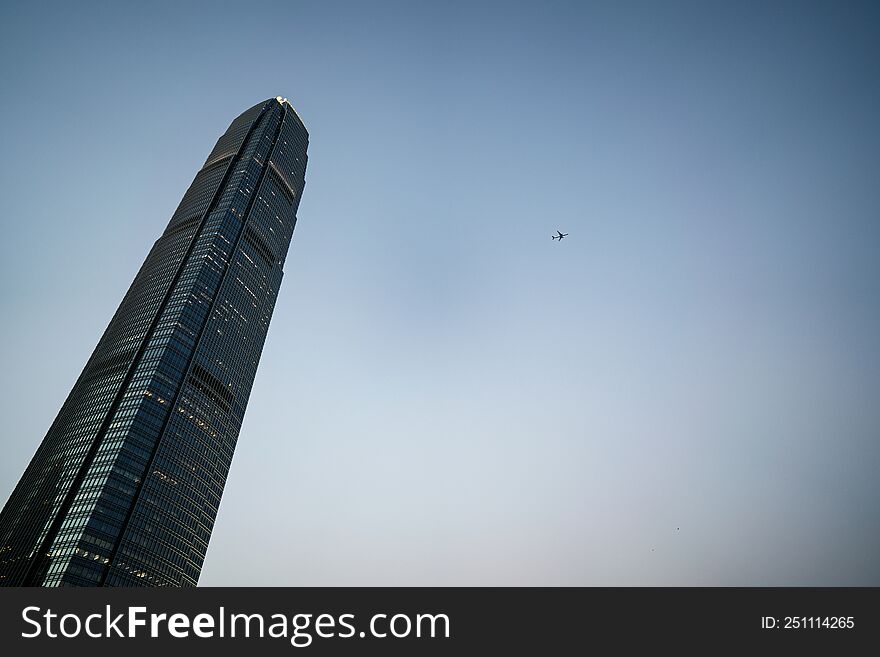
x,y
125,487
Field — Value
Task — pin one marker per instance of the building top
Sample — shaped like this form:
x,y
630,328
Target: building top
x,y
284,101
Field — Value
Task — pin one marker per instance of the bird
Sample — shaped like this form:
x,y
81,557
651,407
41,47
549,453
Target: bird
x,y
558,236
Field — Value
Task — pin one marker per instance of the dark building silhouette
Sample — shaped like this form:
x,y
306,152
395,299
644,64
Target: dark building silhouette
x,y
125,487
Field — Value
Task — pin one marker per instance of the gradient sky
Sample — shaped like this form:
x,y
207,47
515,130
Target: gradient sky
x,y
682,392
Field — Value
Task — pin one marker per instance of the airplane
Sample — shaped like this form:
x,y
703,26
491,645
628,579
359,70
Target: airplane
x,y
558,236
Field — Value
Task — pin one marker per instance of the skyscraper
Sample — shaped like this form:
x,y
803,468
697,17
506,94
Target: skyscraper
x,y
125,487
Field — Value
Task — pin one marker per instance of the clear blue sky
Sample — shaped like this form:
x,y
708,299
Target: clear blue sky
x,y
446,396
